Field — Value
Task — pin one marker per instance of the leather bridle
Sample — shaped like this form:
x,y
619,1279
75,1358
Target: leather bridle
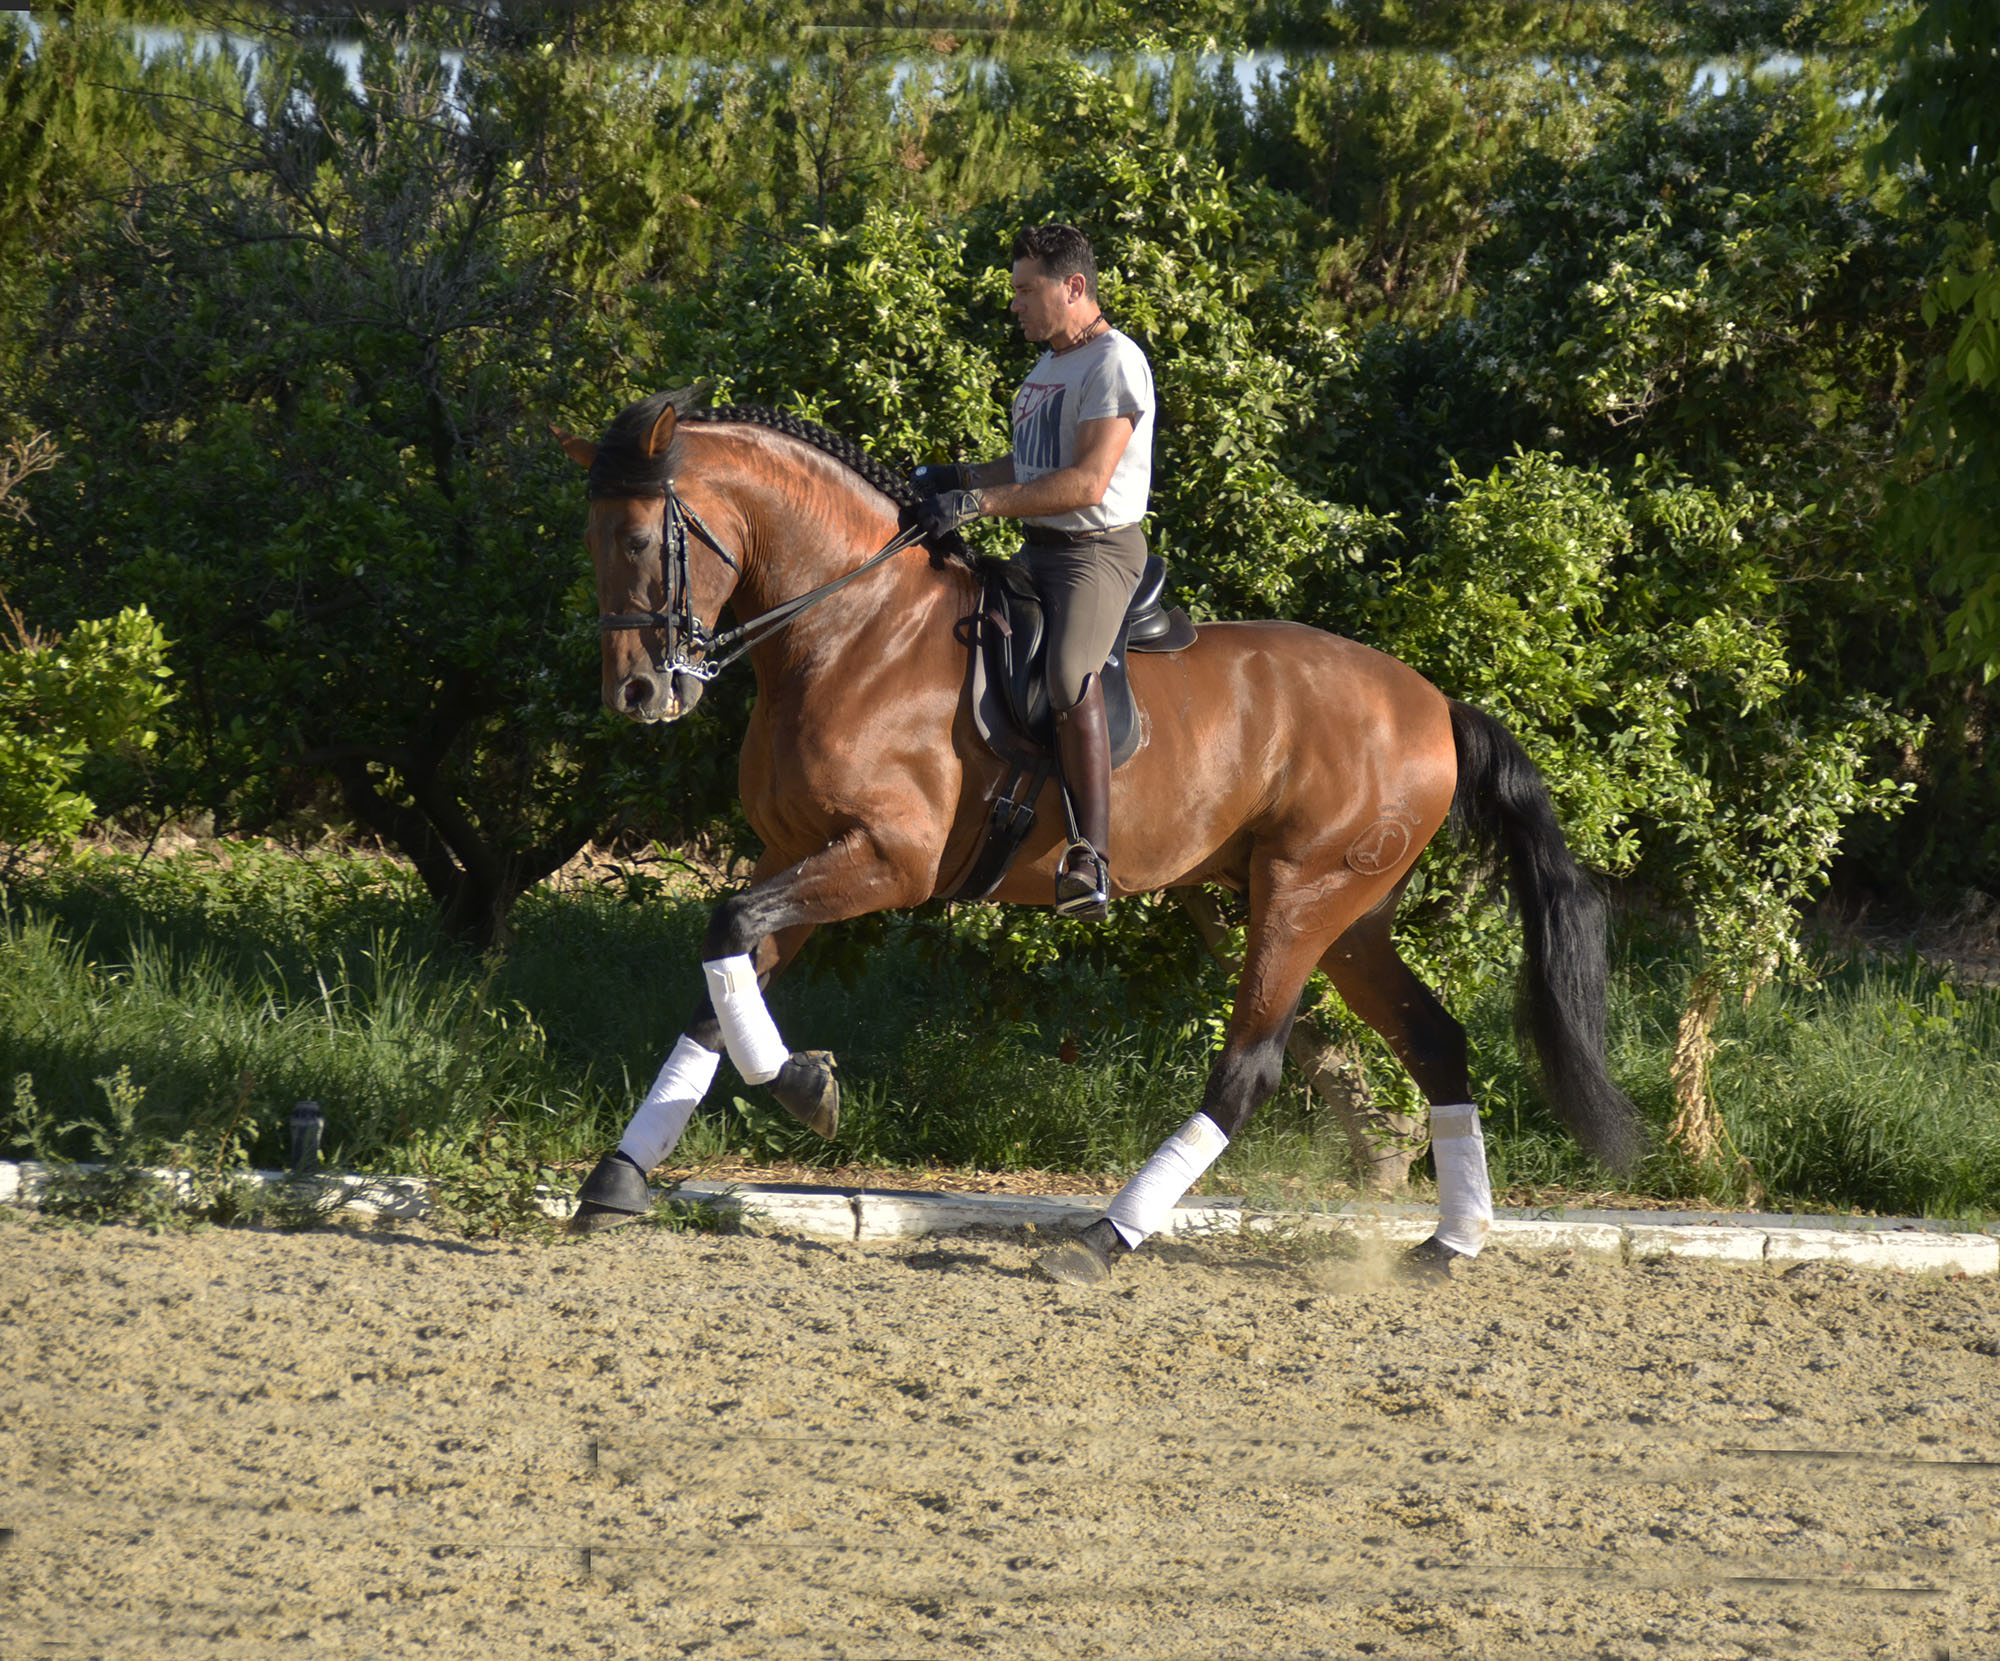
x,y
690,648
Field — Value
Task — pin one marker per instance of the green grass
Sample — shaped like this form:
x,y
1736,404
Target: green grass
x,y
1877,1090
1880,1091
229,989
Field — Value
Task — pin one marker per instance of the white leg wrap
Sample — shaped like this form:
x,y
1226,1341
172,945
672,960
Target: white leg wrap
x,y
1144,1204
747,1027
1465,1198
659,1120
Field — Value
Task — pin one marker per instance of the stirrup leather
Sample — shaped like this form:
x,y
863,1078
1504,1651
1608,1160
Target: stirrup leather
x,y
1079,892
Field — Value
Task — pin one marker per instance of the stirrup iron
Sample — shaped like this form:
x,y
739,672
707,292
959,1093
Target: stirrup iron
x,y
1083,893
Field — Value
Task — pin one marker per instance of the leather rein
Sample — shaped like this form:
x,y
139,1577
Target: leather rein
x,y
684,631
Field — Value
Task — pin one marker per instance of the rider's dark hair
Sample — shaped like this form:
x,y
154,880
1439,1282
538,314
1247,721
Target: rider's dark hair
x,y
1061,250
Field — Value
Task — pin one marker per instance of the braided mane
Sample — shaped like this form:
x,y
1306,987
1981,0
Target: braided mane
x,y
622,467
949,550
843,450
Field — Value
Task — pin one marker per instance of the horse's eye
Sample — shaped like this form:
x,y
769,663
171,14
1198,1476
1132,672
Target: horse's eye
x,y
638,543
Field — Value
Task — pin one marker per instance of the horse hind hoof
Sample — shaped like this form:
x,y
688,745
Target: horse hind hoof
x,y
1430,1261
616,1192
1086,1260
808,1091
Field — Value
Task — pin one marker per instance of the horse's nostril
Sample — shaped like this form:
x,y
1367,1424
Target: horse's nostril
x,y
637,691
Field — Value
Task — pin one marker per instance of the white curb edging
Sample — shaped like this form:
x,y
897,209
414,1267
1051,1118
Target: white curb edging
x,y
1652,1242
1601,1240
24,1182
1965,1254
875,1215
913,1215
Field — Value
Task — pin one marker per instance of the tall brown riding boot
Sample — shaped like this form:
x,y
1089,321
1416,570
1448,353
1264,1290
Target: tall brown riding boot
x,y
1083,745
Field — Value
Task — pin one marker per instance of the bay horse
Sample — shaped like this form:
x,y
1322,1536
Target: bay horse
x,y
1301,769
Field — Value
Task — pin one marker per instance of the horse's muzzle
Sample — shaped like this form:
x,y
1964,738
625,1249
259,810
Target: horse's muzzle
x,y
651,696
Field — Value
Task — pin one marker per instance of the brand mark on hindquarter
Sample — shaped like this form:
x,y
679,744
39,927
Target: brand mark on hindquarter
x,y
1383,844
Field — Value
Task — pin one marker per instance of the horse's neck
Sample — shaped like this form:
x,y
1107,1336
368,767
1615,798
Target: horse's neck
x,y
805,522
800,540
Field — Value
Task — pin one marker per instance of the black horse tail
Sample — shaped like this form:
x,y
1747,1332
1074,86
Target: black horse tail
x,y
1502,806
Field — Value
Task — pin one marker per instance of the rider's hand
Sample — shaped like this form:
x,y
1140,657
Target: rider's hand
x,y
942,514
935,480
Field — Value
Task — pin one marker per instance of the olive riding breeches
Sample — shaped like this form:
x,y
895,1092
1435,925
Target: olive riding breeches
x,y
1085,587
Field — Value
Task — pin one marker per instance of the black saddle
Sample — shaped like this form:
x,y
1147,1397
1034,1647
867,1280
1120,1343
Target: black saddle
x,y
1010,698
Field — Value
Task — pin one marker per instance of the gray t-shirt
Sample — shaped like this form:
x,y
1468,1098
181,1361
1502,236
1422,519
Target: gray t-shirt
x,y
1108,377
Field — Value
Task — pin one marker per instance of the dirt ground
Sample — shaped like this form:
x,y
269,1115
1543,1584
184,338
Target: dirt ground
x,y
657,1444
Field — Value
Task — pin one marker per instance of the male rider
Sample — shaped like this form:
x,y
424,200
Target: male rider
x,y
1078,479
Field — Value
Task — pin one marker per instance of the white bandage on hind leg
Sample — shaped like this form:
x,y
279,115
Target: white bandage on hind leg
x,y
747,1027
659,1120
1145,1204
1465,1197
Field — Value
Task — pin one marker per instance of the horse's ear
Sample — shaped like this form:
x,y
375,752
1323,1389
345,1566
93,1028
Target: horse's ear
x,y
579,450
663,432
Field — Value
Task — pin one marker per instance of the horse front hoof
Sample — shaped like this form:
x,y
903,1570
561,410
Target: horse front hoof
x,y
1086,1260
1430,1261
808,1091
614,1193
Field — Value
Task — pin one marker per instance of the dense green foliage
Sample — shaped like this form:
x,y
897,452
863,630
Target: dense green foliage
x,y
1943,115
65,705
1627,367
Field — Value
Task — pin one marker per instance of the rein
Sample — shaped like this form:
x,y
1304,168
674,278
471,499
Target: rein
x,y
685,632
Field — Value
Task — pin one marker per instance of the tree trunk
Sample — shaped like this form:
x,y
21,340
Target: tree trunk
x,y
1697,1131
1383,1145
473,883
1697,1128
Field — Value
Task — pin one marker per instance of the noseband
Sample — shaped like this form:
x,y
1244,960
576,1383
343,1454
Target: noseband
x,y
684,631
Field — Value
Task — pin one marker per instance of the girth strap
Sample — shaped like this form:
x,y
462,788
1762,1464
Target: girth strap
x,y
1007,827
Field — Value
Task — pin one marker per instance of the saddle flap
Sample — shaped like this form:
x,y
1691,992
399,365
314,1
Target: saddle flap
x,y
1014,604
1010,698
1017,582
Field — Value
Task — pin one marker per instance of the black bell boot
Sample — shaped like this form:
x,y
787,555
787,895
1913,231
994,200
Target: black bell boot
x,y
1086,1260
808,1091
1430,1260
1083,746
614,1193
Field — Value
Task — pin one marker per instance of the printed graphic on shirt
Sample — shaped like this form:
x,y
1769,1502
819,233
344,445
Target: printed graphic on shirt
x,y
1038,427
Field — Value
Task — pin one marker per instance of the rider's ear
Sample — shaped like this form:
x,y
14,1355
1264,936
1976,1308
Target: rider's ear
x,y
579,450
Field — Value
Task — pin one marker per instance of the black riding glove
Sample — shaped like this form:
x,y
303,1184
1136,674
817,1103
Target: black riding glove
x,y
942,514
934,481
